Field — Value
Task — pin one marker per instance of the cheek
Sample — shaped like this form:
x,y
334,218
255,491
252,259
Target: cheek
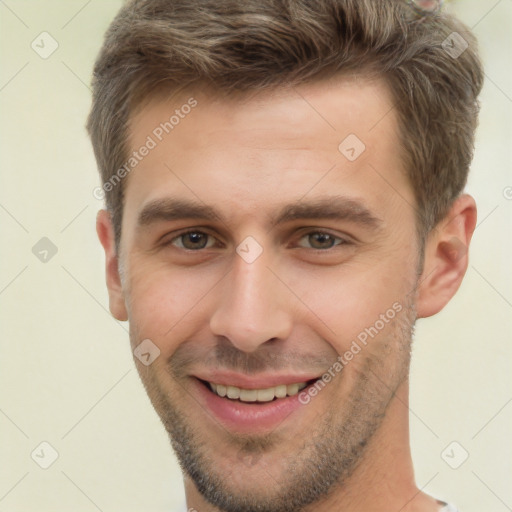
x,y
362,305
166,305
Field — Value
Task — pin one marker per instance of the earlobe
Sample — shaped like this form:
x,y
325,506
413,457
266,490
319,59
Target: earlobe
x,y
105,232
446,257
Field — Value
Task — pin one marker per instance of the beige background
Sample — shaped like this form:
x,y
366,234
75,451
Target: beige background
x,y
67,376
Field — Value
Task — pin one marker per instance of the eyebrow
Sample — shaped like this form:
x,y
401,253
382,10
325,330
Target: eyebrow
x,y
169,209
334,207
330,207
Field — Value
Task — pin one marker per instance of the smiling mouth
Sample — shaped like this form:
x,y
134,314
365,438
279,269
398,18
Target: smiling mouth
x,y
256,395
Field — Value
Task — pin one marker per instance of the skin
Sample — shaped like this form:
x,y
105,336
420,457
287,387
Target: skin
x,y
295,308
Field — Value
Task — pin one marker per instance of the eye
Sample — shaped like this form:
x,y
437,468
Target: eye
x,y
193,240
321,240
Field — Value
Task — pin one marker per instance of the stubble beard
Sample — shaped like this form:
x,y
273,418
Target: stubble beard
x,y
330,453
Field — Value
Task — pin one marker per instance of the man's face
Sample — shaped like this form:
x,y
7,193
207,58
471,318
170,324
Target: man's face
x,y
304,250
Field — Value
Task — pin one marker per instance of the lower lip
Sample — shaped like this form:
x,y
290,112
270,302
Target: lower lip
x,y
249,417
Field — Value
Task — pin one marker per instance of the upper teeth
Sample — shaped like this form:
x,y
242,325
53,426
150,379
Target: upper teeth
x,y
257,395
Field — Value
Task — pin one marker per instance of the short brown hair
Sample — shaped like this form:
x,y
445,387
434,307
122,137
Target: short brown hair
x,y
234,45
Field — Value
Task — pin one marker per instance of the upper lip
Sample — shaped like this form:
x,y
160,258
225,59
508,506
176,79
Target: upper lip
x,y
254,381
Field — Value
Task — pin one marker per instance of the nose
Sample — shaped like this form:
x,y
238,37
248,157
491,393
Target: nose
x,y
251,307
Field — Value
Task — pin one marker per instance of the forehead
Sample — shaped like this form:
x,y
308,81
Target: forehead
x,y
332,105
252,149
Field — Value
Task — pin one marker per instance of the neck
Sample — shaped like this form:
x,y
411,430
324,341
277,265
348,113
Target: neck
x,y
383,480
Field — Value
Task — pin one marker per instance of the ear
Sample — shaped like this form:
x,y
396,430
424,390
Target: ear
x,y
105,232
446,257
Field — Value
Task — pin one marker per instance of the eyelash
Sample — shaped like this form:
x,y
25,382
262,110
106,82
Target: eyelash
x,y
342,241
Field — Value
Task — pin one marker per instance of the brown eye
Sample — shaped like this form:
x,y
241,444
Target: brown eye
x,y
193,240
321,240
